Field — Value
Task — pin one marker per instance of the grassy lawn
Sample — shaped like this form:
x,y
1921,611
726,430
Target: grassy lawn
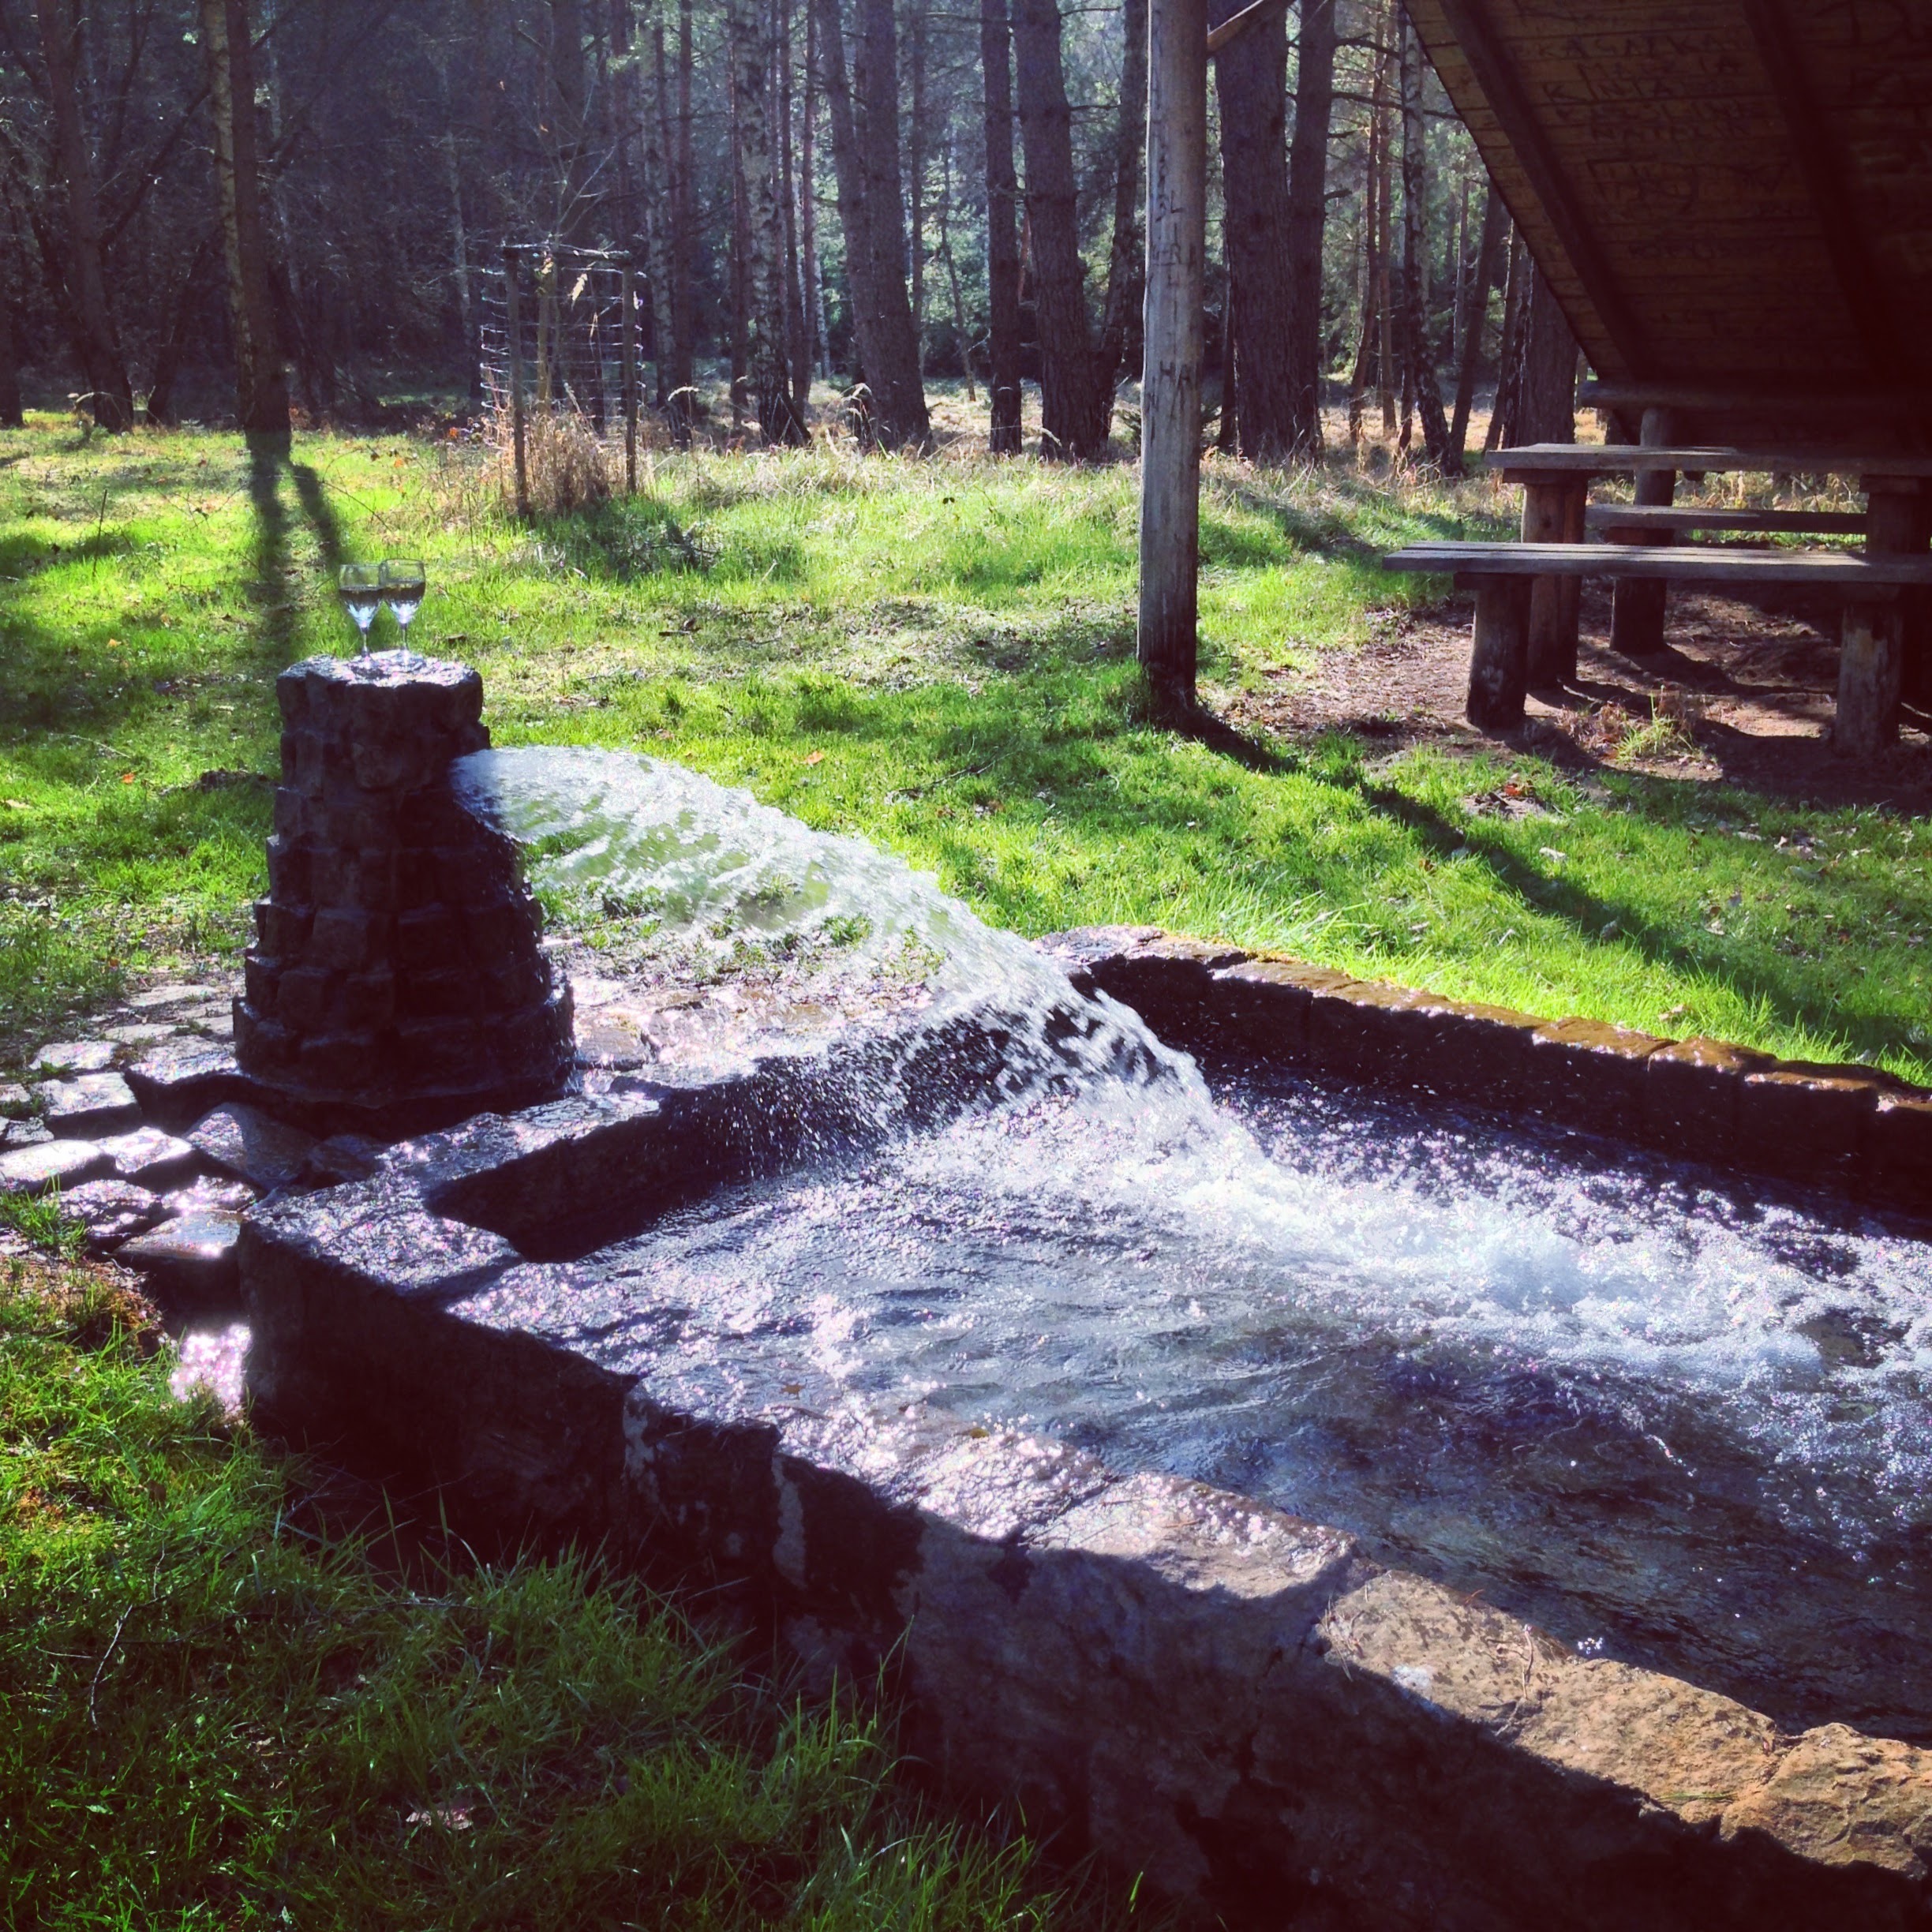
x,y
936,655
223,1711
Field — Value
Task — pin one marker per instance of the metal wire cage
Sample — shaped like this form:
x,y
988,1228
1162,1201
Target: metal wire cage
x,y
563,329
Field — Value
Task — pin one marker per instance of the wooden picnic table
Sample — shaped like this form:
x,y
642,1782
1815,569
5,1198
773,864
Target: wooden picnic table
x,y
1555,478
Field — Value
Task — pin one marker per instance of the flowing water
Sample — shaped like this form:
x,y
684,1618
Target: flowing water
x,y
1675,1419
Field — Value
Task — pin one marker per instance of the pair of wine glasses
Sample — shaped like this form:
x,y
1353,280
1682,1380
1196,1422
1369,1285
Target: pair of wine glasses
x,y
397,582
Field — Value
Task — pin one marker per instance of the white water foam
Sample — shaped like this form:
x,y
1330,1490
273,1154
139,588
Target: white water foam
x,y
1241,1292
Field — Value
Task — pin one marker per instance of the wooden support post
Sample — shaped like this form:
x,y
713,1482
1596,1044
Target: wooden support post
x,y
1638,603
1170,382
1499,653
627,302
513,322
1553,513
1868,679
1898,523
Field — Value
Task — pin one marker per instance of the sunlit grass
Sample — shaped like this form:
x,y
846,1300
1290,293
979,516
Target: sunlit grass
x,y
955,637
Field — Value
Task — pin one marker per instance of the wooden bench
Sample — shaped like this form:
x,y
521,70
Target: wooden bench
x,y
1556,478
1867,587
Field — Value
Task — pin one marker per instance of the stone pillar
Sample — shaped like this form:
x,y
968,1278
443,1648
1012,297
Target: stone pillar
x,y
396,982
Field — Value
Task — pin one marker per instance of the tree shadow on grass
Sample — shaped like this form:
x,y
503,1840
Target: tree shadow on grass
x,y
1591,914
274,587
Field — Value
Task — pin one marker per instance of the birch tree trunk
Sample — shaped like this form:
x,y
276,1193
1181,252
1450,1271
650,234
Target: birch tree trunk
x,y
97,345
766,373
261,377
1076,394
1002,196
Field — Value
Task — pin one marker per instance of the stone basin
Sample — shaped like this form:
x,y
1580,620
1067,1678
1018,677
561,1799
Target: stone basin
x,y
1262,1713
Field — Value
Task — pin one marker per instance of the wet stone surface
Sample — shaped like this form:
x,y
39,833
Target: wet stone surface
x,y
111,1211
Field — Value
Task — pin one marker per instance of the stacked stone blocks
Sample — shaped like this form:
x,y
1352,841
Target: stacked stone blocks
x,y
397,957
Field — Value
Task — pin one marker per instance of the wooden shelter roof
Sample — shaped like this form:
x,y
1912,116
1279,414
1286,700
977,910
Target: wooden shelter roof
x,y
1733,191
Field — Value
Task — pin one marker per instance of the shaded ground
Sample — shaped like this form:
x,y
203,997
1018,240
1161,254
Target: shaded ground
x,y
1745,691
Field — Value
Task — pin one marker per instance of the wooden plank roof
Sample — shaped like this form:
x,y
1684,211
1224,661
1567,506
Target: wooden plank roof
x,y
1738,191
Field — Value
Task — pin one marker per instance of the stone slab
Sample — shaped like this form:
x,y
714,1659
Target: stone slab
x,y
190,1261
51,1163
138,1033
156,999
242,1140
150,1158
14,1099
212,1194
88,1056
112,1211
178,1081
88,1105
24,1133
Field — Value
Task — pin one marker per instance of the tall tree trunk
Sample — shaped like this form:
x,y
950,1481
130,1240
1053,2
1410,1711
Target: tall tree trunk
x,y
1420,347
261,378
865,157
96,345
952,281
570,106
915,130
10,415
1251,84
797,300
682,397
736,328
1382,109
1477,312
1509,359
1126,286
620,110
1370,328
892,374
813,289
748,23
1003,233
1546,401
1307,211
1076,394
654,219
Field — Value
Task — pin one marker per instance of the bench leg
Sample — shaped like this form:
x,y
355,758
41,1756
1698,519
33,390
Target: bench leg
x,y
1499,653
1637,607
1553,513
1637,616
1868,681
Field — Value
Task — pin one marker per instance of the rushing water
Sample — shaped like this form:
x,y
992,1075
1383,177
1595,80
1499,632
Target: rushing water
x,y
1681,1420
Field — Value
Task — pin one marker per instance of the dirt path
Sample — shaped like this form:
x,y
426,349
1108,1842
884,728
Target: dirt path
x,y
1748,688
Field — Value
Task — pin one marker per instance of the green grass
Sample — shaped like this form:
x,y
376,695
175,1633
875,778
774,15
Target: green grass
x,y
954,638
218,1718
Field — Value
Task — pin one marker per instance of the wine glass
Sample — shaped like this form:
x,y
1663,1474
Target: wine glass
x,y
402,579
360,588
